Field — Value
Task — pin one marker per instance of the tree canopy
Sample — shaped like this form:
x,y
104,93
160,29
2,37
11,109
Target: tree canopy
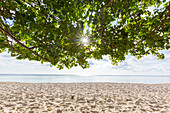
x,y
66,33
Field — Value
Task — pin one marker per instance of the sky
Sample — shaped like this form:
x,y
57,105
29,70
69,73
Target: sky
x,y
148,65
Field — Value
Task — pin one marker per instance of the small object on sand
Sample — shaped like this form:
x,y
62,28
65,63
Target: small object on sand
x,y
72,97
59,111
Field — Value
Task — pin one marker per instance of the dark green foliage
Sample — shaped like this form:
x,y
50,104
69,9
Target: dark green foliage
x,y
51,30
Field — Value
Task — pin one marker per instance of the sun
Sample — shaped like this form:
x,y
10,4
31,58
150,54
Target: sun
x,y
85,40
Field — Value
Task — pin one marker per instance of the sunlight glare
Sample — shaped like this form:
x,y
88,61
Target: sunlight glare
x,y
85,40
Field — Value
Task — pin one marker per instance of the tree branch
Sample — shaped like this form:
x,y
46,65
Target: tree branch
x,y
12,37
101,14
167,8
55,18
7,41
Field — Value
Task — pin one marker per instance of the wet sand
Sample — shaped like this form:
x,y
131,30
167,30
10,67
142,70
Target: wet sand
x,y
84,98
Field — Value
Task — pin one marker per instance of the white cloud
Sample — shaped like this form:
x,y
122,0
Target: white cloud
x,y
131,66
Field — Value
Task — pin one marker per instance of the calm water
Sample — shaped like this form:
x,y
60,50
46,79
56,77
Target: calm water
x,y
46,78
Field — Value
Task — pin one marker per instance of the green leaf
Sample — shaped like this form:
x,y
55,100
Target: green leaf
x,y
53,31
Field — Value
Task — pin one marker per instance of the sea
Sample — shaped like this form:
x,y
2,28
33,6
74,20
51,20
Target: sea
x,y
65,78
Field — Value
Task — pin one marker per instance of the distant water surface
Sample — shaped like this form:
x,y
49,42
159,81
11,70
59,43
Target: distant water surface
x,y
49,78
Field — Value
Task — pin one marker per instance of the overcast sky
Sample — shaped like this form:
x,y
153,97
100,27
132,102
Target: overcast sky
x,y
148,65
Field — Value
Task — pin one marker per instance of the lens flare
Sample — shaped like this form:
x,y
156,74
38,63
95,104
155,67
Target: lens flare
x,y
85,40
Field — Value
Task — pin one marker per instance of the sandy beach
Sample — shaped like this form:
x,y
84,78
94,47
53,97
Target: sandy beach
x,y
84,98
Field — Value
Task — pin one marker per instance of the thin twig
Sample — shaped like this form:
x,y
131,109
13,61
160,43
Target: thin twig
x,y
101,14
167,8
122,15
55,18
33,47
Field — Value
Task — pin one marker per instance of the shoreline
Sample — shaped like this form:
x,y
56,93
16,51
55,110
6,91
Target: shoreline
x,y
91,97
6,82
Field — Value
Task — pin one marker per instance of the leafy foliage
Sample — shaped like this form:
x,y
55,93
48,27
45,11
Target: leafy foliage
x,y
51,30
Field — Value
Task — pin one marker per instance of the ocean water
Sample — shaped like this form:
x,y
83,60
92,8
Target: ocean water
x,y
59,78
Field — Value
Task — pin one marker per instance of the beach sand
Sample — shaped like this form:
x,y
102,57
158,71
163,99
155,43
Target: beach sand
x,y
84,98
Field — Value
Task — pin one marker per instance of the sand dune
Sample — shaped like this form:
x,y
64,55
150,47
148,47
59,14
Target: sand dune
x,y
84,98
